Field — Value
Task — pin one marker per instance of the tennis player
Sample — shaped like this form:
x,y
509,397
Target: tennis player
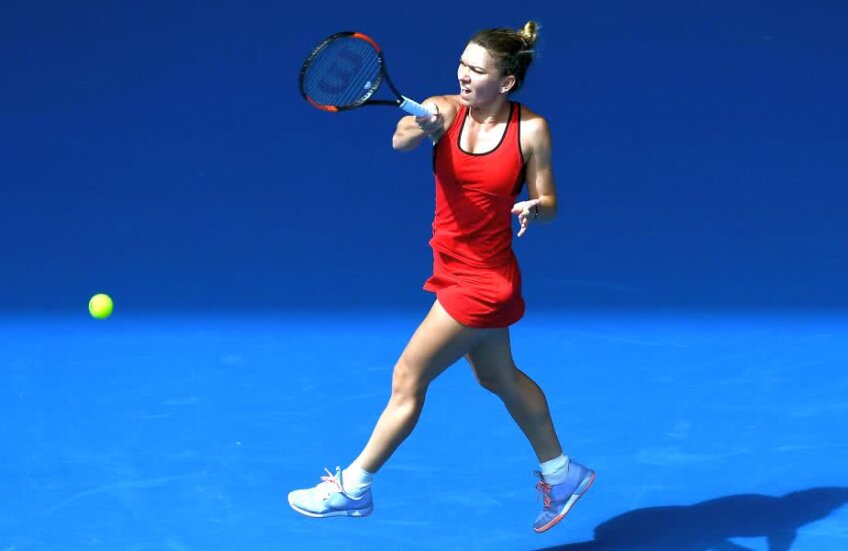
x,y
485,147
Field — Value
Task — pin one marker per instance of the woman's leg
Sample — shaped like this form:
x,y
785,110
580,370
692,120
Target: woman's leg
x,y
438,343
492,363
563,481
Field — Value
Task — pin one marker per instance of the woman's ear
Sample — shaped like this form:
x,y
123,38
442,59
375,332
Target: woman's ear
x,y
507,84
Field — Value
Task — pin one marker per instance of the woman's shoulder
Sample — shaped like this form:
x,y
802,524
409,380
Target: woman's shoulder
x,y
448,105
533,123
535,133
531,119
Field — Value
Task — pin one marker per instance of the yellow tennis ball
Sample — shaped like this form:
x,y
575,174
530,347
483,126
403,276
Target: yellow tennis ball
x,y
100,306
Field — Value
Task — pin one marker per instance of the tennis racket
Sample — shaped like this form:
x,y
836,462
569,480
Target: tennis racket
x,y
345,70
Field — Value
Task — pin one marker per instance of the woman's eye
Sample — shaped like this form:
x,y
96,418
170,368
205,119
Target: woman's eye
x,y
472,69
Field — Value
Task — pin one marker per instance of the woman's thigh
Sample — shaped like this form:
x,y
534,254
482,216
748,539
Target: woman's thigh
x,y
438,342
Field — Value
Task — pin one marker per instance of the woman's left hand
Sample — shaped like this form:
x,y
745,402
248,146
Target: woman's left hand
x,y
527,211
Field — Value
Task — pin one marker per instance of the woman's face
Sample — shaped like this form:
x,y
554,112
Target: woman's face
x,y
480,81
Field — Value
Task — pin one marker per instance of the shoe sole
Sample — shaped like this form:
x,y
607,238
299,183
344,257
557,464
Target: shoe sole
x,y
356,513
586,484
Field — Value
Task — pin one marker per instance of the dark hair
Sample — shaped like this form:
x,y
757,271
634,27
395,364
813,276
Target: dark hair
x,y
513,50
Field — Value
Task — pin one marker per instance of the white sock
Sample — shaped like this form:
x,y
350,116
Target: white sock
x,y
554,471
355,481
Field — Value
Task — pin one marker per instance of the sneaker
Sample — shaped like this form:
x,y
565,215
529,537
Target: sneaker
x,y
560,498
328,499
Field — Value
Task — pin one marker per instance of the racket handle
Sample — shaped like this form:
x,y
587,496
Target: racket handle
x,y
414,108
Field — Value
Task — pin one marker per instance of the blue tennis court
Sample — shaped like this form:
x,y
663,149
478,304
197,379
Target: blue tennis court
x,y
706,431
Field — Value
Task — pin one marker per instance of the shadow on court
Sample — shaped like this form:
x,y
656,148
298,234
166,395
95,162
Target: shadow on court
x,y
709,525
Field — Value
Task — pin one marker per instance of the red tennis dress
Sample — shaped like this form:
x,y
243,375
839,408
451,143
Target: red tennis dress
x,y
475,273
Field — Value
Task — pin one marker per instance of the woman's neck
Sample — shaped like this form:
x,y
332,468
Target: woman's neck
x,y
492,113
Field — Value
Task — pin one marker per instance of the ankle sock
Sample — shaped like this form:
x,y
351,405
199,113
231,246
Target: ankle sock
x,y
555,470
356,481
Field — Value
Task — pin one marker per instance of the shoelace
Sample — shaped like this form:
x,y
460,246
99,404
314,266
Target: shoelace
x,y
330,483
544,490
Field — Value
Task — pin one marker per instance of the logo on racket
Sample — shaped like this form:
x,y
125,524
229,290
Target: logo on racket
x,y
340,75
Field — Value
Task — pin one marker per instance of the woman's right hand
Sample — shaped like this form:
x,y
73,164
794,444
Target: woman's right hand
x,y
432,125
411,131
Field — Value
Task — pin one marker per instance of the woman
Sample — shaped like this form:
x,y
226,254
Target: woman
x,y
485,147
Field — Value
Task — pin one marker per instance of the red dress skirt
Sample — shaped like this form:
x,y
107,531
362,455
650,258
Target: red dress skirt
x,y
477,297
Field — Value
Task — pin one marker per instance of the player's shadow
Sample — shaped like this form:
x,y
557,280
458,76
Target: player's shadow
x,y
709,525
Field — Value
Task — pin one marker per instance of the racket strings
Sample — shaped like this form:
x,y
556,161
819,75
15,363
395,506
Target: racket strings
x,y
344,73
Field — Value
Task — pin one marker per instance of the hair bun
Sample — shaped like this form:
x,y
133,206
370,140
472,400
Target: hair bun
x,y
529,33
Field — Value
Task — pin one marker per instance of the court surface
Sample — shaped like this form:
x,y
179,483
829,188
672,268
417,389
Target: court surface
x,y
722,431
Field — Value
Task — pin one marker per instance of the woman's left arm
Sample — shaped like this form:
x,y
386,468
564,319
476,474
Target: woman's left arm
x,y
536,145
539,173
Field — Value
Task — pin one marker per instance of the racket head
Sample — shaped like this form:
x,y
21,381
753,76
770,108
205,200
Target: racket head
x,y
342,72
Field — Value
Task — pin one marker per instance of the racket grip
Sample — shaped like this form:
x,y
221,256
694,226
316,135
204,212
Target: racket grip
x,y
414,108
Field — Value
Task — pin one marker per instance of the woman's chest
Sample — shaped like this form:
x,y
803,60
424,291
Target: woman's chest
x,y
479,139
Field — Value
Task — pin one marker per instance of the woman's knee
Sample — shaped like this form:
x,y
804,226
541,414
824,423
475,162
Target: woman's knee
x,y
489,384
499,382
408,379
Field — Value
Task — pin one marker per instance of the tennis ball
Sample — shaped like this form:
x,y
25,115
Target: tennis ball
x,y
100,306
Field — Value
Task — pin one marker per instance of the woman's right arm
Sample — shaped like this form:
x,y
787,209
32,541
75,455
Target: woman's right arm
x,y
411,131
